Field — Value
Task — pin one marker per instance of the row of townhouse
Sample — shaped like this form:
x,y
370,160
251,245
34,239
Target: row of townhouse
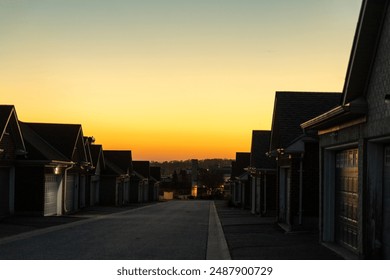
x,y
52,169
325,163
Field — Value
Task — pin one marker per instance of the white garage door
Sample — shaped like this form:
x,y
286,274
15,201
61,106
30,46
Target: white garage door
x,y
51,194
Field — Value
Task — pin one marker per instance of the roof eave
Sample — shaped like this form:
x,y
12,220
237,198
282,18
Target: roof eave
x,y
354,109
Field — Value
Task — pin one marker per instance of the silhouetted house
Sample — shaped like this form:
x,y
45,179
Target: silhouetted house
x,y
263,175
355,145
140,181
154,183
12,148
115,179
97,156
297,156
240,185
52,179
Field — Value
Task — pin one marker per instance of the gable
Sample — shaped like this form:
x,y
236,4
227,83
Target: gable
x,y
364,49
65,138
122,160
293,108
11,140
142,167
259,148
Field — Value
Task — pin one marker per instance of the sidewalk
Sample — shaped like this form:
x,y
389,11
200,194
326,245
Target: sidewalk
x,y
252,237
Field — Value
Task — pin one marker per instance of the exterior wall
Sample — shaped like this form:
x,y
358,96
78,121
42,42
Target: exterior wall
x,y
299,201
7,144
310,180
29,190
107,192
268,183
263,195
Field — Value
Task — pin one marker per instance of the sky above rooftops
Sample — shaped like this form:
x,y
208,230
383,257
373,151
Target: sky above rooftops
x,y
172,79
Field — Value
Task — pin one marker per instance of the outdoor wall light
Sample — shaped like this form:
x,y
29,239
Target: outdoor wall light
x,y
57,170
387,98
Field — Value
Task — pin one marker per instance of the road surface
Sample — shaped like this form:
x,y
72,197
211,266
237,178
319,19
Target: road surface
x,y
176,230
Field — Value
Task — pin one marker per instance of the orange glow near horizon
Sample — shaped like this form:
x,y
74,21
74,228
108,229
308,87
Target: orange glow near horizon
x,y
187,79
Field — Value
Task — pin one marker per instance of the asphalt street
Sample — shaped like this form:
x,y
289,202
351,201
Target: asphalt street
x,y
172,230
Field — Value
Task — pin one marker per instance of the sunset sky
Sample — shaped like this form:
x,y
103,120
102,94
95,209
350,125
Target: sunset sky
x,y
169,79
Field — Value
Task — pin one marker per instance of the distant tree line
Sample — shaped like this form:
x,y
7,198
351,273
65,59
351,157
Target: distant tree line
x,y
168,168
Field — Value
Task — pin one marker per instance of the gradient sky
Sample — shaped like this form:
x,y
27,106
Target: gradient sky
x,y
169,79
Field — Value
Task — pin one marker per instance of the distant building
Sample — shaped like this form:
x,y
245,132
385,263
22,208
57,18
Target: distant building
x,y
240,185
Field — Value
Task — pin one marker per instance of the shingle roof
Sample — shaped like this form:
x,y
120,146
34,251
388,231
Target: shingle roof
x,y
142,167
121,159
293,108
38,148
63,137
155,172
96,150
242,161
364,48
259,148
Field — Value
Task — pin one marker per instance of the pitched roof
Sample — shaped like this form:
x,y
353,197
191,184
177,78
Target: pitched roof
x,y
293,108
38,148
142,167
120,160
96,153
5,113
155,172
242,161
364,48
353,105
62,137
259,148
9,119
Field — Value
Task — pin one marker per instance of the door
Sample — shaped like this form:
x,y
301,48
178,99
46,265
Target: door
x,y
346,198
386,204
52,183
4,191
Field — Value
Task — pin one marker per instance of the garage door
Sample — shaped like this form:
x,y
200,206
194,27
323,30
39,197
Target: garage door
x,y
51,194
386,205
346,230
4,191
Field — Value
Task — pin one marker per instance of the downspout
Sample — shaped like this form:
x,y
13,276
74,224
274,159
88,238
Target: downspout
x,y
65,185
300,188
